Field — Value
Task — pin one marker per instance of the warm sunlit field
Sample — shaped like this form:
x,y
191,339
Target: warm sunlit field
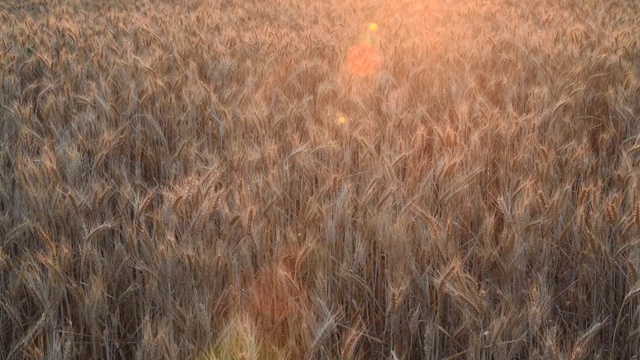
x,y
281,179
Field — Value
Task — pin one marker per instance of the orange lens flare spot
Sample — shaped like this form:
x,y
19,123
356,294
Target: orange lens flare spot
x,y
342,119
372,27
364,60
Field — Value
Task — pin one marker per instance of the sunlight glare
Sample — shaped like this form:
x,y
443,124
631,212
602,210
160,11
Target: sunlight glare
x,y
365,59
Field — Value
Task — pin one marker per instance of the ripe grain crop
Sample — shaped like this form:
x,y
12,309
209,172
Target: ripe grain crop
x,y
205,179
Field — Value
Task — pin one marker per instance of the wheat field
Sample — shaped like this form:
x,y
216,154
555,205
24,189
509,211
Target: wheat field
x,y
281,179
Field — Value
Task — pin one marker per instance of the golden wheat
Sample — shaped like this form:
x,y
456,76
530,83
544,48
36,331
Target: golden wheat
x,y
252,180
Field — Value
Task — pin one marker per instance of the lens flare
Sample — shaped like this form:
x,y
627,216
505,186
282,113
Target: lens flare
x,y
342,119
365,58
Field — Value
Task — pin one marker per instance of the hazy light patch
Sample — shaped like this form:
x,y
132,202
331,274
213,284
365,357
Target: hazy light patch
x,y
365,58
